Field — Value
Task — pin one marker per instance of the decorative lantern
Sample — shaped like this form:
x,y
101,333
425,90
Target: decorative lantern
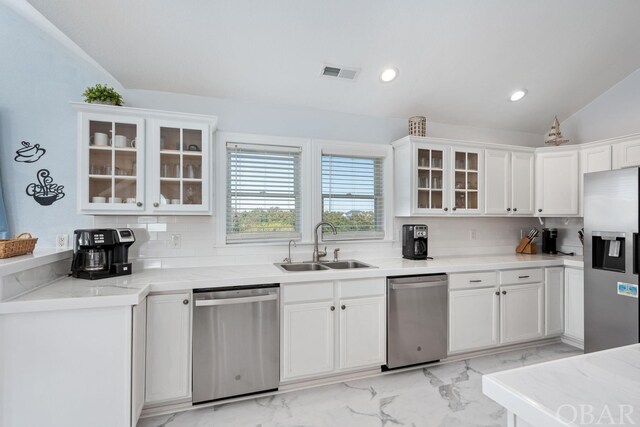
x,y
554,137
418,126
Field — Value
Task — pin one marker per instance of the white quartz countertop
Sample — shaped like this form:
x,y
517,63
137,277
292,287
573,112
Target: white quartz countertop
x,y
130,290
573,390
37,258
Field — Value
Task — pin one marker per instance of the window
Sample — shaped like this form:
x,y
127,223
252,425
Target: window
x,y
352,197
263,192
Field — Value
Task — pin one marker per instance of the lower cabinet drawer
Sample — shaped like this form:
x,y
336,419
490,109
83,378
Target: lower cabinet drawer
x,y
523,275
480,279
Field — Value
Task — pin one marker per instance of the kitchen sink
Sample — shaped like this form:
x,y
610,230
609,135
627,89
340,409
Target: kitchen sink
x,y
301,266
322,266
340,265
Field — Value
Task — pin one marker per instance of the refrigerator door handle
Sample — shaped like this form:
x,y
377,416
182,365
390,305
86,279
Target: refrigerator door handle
x,y
636,254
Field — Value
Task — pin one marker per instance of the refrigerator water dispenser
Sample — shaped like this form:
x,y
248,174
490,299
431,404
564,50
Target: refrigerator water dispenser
x,y
608,251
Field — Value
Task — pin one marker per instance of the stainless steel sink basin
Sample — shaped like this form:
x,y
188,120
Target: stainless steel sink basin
x,y
348,264
322,266
301,266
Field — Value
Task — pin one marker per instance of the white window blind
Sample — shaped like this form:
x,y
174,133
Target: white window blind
x,y
352,197
263,192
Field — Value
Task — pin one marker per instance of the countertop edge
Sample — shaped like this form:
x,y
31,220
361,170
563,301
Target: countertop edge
x,y
38,258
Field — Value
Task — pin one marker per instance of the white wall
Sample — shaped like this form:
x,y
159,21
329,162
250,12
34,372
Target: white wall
x,y
38,78
614,113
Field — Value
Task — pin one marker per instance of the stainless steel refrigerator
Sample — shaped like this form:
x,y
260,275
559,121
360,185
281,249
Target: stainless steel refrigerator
x,y
611,221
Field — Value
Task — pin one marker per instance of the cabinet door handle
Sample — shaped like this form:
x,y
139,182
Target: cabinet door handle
x,y
508,209
139,204
343,306
333,308
156,204
475,281
523,277
504,292
539,210
453,208
185,301
446,209
515,209
498,293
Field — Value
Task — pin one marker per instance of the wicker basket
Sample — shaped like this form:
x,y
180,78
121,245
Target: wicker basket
x,y
24,243
418,126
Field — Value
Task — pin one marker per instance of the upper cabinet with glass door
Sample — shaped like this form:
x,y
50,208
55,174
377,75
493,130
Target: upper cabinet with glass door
x,y
135,161
466,179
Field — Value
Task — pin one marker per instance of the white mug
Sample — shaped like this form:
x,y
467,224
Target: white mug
x,y
131,199
99,138
132,143
115,199
98,199
120,141
175,201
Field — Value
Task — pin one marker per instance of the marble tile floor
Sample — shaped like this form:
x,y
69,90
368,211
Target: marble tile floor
x,y
444,395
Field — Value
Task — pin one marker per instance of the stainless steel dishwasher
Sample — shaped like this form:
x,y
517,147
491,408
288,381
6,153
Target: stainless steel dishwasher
x,y
416,319
236,341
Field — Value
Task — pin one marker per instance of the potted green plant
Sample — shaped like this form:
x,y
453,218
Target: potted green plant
x,y
102,94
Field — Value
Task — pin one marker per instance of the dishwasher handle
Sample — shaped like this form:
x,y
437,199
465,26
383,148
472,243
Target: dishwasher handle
x,y
242,300
417,285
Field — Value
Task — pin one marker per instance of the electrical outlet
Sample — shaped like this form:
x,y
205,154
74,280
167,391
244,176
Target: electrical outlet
x,y
62,241
472,235
175,242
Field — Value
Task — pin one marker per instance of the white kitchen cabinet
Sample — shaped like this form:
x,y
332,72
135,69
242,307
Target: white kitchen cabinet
x,y
626,153
521,312
135,161
522,183
474,316
553,301
574,305
308,339
557,189
138,356
332,327
362,332
509,183
437,177
168,361
594,159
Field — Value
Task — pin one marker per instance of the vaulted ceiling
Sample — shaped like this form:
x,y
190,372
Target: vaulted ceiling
x,y
458,60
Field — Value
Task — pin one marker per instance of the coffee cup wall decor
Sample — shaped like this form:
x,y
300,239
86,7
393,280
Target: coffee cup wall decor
x,y
45,192
29,153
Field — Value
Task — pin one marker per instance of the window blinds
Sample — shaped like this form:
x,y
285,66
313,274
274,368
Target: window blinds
x,y
263,192
352,197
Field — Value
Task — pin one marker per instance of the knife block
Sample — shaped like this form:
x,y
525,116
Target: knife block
x,y
526,247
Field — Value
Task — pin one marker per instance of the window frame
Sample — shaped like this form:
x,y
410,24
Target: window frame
x,y
222,139
355,149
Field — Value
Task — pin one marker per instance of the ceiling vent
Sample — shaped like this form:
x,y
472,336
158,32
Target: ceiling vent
x,y
338,72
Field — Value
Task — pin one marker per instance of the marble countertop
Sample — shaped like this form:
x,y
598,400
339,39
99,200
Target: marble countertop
x,y
605,383
37,258
77,293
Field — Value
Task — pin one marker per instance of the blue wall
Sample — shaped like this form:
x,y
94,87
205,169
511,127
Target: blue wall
x,y
38,78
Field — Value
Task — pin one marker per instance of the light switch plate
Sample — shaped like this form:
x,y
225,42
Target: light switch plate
x,y
175,242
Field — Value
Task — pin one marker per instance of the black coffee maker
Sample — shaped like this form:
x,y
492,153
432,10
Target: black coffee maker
x,y
549,239
415,241
101,253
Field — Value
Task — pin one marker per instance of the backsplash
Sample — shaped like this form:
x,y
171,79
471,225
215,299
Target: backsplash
x,y
568,240
154,247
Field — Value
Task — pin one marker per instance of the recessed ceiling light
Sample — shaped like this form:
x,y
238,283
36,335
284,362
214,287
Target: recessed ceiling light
x,y
389,75
517,95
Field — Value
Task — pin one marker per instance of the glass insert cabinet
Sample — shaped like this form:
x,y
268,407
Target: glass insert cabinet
x,y
135,161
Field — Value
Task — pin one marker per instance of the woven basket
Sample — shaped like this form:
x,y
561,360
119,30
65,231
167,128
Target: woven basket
x,y
418,126
24,243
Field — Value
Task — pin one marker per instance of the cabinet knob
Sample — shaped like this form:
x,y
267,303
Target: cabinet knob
x,y
156,204
139,204
185,301
446,209
539,210
453,208
509,209
498,293
343,306
504,292
515,209
333,308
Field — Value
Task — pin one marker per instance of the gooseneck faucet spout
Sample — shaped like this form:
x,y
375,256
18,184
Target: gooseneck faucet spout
x,y
317,254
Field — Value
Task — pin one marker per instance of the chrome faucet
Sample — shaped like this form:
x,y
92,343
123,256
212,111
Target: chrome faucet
x,y
288,260
316,253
